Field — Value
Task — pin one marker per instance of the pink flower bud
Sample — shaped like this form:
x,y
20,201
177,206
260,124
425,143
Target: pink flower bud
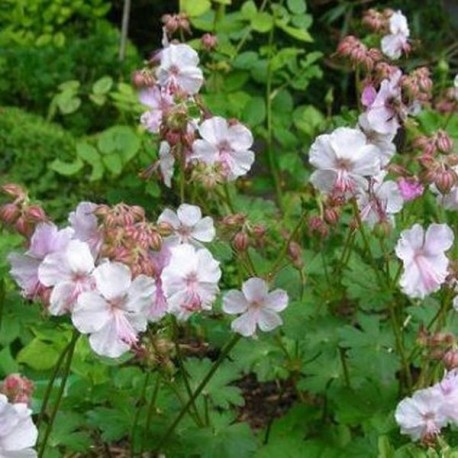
x,y
14,190
332,216
445,180
241,241
35,213
9,213
450,359
17,389
443,142
209,41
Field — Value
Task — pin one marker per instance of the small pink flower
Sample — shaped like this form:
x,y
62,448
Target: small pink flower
x,y
69,272
46,239
381,202
423,255
188,225
190,280
421,416
258,307
225,145
410,188
382,114
344,159
116,312
159,102
179,69
86,226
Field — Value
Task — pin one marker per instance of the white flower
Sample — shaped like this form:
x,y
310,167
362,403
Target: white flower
x,y
258,307
396,42
166,163
69,272
179,69
226,145
158,102
188,225
115,313
425,263
383,200
190,280
344,159
86,226
448,388
17,431
421,416
384,142
381,114
46,239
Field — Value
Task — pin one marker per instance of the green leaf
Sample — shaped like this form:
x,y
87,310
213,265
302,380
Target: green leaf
x,y
298,34
102,85
67,168
39,355
249,10
218,389
195,7
67,102
98,99
119,139
8,364
71,86
59,39
87,152
296,6
113,163
245,60
111,422
262,22
254,112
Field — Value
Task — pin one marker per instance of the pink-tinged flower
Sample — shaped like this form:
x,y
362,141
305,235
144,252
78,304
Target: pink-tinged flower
x,y
383,142
159,102
86,226
179,69
381,202
421,416
17,389
344,159
410,188
166,163
425,263
382,114
116,311
188,225
258,307
69,272
17,431
190,280
46,239
448,388
394,44
159,306
225,145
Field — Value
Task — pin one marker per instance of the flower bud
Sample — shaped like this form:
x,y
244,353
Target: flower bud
x,y
9,213
17,389
235,220
241,241
332,216
209,41
443,142
445,180
450,359
14,190
35,213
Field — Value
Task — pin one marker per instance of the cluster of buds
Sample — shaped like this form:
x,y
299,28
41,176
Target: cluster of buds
x,y
417,85
17,389
377,21
156,353
439,142
176,23
20,214
242,232
143,78
440,346
333,208
209,41
358,53
448,101
128,237
317,226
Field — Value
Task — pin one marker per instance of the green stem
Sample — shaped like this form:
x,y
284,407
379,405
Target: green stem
x,y
270,152
229,346
284,249
50,386
343,360
183,370
142,400
63,382
152,404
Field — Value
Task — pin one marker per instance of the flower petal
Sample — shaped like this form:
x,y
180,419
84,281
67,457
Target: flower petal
x,y
112,279
234,302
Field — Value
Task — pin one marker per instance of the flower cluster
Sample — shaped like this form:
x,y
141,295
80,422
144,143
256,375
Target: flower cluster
x,y
112,271
423,415
211,148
